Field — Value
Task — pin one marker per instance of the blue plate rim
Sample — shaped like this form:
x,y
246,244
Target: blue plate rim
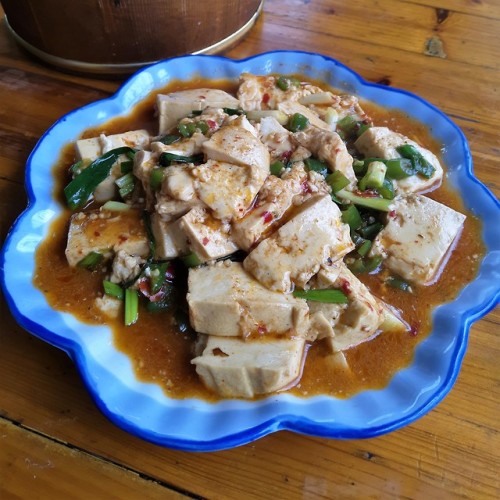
x,y
284,422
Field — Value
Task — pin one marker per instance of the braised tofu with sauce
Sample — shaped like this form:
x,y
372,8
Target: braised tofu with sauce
x,y
274,218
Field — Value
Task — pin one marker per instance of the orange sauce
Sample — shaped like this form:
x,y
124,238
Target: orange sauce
x,y
162,355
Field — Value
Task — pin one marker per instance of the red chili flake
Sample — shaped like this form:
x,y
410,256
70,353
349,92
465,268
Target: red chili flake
x,y
305,187
285,157
97,233
337,151
265,98
346,287
392,214
212,123
170,273
157,296
122,238
205,241
268,217
261,329
144,288
414,329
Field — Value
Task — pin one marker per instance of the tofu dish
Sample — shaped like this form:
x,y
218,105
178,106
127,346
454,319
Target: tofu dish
x,y
257,220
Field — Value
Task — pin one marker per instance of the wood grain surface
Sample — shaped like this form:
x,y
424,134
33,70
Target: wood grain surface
x,y
54,443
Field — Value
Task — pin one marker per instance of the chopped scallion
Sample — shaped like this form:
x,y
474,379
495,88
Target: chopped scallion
x,y
351,216
113,289
156,178
276,168
191,260
115,206
91,260
317,166
297,122
420,164
364,248
169,139
131,306
126,166
331,296
166,159
399,283
365,201
374,177
285,82
337,181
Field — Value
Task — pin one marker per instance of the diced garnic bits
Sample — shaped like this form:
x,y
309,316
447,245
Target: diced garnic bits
x,y
269,201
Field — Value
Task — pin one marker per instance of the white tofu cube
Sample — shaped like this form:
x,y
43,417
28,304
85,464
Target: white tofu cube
x,y
171,241
106,232
234,368
417,237
225,300
172,107
314,236
207,237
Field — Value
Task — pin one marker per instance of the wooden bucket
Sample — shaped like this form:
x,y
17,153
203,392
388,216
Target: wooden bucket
x,y
119,36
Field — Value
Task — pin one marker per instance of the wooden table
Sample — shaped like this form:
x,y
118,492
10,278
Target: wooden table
x,y
54,443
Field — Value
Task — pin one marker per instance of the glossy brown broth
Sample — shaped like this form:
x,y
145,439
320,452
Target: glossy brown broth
x,y
162,355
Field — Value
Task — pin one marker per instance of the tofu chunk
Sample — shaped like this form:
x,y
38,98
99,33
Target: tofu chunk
x,y
178,182
417,237
261,92
330,148
273,201
171,241
228,189
360,320
291,107
277,138
125,267
172,107
234,368
106,232
207,237
109,306
225,300
240,147
381,142
314,236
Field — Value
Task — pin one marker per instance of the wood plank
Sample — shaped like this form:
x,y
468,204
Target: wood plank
x,y
484,8
348,20
30,462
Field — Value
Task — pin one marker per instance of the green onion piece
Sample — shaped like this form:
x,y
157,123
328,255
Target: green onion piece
x,y
78,191
166,159
317,166
374,177
331,117
131,154
327,296
348,125
126,166
202,126
115,206
364,248
232,111
420,164
285,82
359,167
131,306
368,202
369,232
157,276
191,260
357,266
169,297
362,129
76,167
146,217
91,260
126,184
113,289
186,129
156,178
373,263
386,190
337,181
399,283
351,216
297,122
399,168
169,139
276,168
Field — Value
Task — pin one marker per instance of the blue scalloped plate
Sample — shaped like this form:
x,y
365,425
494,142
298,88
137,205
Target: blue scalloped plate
x,y
143,409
